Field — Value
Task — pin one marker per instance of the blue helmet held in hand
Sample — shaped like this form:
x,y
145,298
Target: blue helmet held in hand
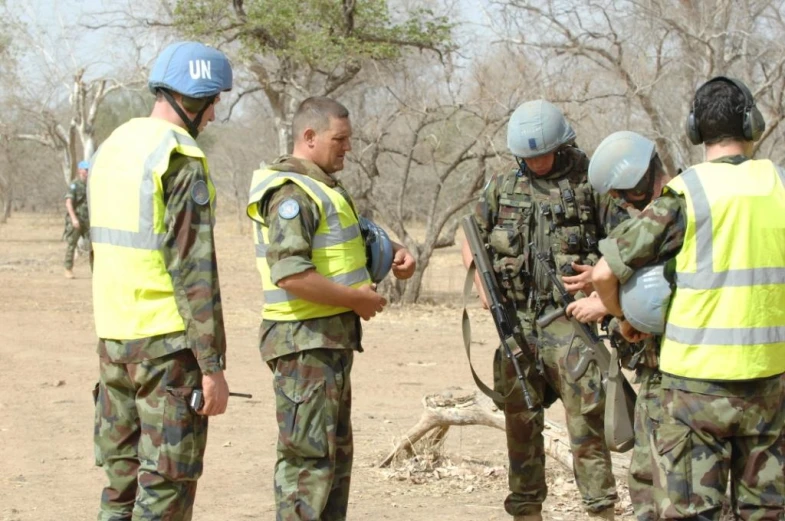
x,y
378,249
645,299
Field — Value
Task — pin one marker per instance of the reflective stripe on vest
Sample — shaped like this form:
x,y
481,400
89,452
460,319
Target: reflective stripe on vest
x,y
333,239
133,294
727,316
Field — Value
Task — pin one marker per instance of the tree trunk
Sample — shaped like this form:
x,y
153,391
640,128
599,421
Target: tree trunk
x,y
449,408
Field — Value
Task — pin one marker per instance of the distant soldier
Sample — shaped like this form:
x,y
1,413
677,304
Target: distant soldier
x,y
77,221
721,227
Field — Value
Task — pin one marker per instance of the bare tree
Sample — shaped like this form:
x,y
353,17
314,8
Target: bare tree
x,y
652,54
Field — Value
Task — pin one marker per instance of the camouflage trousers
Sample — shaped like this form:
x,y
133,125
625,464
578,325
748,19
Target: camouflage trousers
x,y
147,439
736,430
647,414
71,236
313,401
584,404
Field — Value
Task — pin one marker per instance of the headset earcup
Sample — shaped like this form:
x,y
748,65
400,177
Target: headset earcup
x,y
691,129
754,124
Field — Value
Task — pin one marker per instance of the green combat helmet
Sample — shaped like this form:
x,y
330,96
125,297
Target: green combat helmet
x,y
537,128
620,161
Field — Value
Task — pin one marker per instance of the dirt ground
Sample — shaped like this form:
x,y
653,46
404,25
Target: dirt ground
x,y
48,366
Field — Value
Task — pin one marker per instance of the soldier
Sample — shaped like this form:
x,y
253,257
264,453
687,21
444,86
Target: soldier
x,y
721,226
312,260
77,222
627,166
156,295
547,200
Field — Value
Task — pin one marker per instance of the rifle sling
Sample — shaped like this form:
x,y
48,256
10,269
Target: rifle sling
x,y
467,341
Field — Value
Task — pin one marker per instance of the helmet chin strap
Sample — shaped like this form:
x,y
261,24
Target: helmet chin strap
x,y
191,124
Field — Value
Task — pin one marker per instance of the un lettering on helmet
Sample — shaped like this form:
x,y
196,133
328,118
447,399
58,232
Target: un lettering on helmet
x,y
199,69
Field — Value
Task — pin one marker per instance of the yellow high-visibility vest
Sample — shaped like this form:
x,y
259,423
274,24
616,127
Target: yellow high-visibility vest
x,y
338,249
133,296
727,316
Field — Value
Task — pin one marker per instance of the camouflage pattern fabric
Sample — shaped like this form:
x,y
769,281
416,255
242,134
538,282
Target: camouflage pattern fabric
x,y
311,361
562,215
584,404
147,439
313,400
289,253
154,438
704,430
736,429
647,415
189,252
77,192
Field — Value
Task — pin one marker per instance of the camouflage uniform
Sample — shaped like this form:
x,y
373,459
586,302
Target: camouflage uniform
x,y
311,362
706,430
77,193
643,358
560,213
147,439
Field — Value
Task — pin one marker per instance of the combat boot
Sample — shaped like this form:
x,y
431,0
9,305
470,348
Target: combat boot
x,y
69,274
608,514
529,517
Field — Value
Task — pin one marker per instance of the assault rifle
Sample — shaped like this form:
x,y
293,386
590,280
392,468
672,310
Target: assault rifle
x,y
503,312
620,396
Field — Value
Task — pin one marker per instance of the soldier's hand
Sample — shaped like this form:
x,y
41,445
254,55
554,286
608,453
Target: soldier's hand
x,y
630,333
368,302
75,223
587,310
581,281
216,394
403,264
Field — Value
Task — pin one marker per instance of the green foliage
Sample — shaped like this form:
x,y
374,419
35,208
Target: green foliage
x,y
324,34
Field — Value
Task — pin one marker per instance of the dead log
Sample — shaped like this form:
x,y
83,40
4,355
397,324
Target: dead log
x,y
459,408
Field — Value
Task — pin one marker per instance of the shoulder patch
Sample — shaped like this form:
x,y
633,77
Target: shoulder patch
x,y
199,193
73,186
288,209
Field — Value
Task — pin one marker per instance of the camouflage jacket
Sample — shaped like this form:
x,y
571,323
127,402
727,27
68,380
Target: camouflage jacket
x,y
560,213
614,212
77,192
289,253
189,253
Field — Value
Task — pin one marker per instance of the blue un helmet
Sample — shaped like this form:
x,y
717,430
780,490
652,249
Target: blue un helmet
x,y
620,161
537,128
194,70
83,165
378,249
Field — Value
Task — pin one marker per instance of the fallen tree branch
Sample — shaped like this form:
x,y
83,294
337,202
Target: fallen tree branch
x,y
459,408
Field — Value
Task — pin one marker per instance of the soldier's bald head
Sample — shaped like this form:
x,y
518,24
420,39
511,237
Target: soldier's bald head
x,y
315,113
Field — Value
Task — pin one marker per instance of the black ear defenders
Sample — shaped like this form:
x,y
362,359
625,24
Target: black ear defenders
x,y
753,124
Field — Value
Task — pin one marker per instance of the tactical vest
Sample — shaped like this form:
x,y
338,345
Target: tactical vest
x,y
558,214
727,316
133,295
338,249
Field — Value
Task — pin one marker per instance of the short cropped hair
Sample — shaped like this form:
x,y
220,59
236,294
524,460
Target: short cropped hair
x,y
315,113
719,109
